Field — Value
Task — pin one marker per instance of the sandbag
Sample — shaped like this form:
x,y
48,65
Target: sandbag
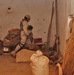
x,y
24,55
39,64
12,38
68,62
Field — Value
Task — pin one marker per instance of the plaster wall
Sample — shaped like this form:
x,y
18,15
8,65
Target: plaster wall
x,y
40,12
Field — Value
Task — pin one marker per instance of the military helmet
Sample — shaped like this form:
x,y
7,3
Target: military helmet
x,y
27,17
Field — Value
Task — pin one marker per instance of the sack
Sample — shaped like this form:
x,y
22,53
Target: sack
x,y
39,64
24,55
13,38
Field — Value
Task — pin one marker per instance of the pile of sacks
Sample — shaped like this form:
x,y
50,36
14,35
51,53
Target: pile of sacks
x,y
39,63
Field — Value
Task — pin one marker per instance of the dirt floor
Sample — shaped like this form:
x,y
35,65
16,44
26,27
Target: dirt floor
x,y
9,67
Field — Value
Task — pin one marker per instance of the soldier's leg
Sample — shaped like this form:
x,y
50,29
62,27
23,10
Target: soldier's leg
x,y
14,51
23,40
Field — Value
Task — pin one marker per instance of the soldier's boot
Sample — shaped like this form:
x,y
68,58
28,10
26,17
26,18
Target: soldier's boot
x,y
14,51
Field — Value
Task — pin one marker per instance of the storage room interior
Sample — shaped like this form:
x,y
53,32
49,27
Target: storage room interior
x,y
11,14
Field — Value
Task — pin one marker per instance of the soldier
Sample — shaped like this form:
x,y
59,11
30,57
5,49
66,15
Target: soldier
x,y
24,33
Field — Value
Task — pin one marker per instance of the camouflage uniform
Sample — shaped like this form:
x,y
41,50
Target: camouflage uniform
x,y
24,34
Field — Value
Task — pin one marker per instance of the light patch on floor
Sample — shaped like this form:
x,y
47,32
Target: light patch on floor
x,y
8,66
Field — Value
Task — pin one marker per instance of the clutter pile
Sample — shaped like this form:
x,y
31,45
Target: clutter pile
x,y
24,55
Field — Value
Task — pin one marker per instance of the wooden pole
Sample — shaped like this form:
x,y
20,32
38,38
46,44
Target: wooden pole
x,y
57,35
50,26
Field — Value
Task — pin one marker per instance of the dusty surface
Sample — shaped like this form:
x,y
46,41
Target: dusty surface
x,y
9,67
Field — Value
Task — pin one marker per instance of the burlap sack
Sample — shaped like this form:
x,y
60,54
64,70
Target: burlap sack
x,y
24,55
68,62
12,38
39,64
